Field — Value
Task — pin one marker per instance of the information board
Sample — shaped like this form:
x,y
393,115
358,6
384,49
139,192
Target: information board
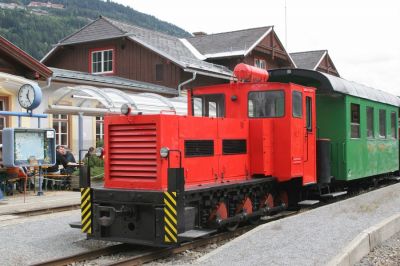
x,y
28,147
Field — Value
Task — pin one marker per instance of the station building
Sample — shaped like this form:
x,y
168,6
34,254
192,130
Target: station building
x,y
107,63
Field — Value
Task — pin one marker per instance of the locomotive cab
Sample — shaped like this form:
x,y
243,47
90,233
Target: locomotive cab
x,y
281,117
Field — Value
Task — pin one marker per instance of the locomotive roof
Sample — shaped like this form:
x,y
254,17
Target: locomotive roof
x,y
328,83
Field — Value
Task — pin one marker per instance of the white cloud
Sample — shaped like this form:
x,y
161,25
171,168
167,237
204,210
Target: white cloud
x,y
362,36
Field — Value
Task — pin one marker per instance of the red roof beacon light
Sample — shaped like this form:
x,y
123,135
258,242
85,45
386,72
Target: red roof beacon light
x,y
246,73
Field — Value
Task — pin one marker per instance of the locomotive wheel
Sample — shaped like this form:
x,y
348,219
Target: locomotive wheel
x,y
220,212
268,200
245,206
283,197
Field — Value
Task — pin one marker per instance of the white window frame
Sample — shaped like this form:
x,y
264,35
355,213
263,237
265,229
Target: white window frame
x,y
57,119
102,61
99,135
260,63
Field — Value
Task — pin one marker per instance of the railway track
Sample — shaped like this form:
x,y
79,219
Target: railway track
x,y
145,255
150,254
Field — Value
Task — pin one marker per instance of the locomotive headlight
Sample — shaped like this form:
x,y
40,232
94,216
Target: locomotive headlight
x,y
164,152
125,109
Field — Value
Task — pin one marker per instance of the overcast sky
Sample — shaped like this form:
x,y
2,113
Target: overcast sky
x,y
362,36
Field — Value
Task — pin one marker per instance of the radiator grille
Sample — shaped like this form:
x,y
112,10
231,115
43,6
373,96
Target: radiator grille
x,y
234,146
195,148
133,151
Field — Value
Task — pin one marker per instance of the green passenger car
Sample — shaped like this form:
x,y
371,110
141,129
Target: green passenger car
x,y
361,122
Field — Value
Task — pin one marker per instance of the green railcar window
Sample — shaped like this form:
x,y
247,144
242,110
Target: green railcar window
x,y
355,120
297,104
382,123
370,122
266,104
393,125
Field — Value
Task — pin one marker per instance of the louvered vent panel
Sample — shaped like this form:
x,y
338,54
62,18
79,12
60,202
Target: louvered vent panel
x,y
133,151
198,148
234,146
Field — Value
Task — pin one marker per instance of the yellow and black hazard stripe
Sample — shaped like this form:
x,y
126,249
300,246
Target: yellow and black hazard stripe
x,y
170,218
86,210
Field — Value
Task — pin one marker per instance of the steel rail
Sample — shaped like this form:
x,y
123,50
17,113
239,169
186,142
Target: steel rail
x,y
162,253
85,255
151,254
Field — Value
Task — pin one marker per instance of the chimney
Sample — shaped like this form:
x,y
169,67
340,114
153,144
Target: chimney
x,y
199,33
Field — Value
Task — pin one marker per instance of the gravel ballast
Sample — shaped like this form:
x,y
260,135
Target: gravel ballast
x,y
310,238
26,241
386,254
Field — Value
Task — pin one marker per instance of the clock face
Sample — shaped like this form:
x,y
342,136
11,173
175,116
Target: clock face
x,y
26,96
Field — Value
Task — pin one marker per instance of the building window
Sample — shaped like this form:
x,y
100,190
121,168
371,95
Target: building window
x,y
382,123
99,128
260,63
370,122
159,72
355,120
3,119
297,104
393,124
102,61
61,126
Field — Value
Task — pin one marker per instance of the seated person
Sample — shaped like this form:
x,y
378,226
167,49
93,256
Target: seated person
x,y
90,152
61,159
71,162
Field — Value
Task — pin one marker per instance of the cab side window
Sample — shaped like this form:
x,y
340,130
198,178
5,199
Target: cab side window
x,y
209,105
297,104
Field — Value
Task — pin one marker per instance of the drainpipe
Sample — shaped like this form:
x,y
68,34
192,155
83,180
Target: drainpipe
x,y
186,82
48,83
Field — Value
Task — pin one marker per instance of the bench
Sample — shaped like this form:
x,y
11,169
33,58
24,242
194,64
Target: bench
x,y
60,180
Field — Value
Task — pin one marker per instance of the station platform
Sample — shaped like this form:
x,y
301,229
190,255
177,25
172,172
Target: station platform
x,y
16,204
329,235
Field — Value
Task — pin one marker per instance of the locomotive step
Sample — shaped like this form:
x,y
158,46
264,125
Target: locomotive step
x,y
76,225
196,233
308,202
334,194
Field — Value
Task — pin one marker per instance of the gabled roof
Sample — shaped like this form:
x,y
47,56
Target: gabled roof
x,y
21,57
309,59
233,43
167,46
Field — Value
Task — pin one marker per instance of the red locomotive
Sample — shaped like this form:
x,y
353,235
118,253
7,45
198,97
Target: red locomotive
x,y
246,149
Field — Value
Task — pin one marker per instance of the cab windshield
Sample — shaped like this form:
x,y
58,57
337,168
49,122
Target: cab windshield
x,y
266,104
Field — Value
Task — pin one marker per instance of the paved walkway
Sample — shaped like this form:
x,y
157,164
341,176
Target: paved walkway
x,y
310,238
51,199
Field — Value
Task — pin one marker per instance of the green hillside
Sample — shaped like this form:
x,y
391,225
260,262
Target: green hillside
x,y
35,30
